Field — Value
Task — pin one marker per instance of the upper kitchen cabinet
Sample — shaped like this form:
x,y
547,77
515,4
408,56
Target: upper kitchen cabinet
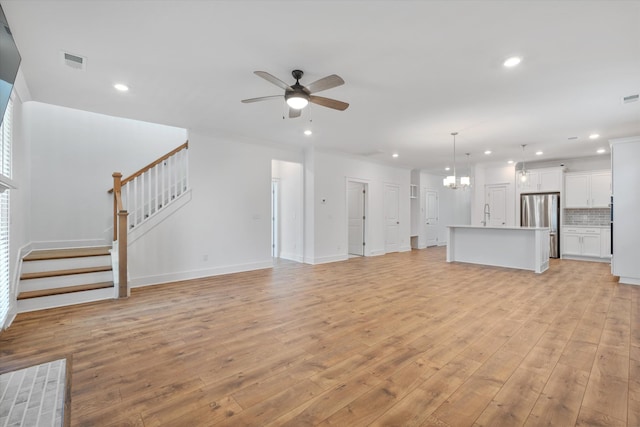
x,y
541,181
587,189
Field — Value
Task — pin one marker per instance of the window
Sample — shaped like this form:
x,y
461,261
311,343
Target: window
x,y
5,172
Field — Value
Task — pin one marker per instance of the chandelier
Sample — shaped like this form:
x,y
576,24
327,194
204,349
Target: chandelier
x,y
452,181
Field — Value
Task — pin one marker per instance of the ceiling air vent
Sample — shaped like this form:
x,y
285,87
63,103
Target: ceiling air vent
x,y
630,98
76,62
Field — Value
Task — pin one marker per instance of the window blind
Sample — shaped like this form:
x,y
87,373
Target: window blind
x,y
5,170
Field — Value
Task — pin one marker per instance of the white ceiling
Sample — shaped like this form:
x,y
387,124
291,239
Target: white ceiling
x,y
415,71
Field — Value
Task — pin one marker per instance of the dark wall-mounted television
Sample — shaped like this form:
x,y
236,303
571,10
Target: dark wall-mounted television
x,y
9,63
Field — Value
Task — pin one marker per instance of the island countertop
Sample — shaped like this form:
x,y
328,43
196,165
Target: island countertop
x,y
525,248
499,228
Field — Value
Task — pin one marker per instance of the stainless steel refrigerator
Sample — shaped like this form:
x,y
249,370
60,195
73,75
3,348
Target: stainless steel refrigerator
x,y
543,210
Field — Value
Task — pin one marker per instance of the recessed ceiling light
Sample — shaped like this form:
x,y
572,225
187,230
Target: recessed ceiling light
x,y
510,162
447,168
601,150
394,155
594,136
487,152
308,132
539,153
512,62
121,87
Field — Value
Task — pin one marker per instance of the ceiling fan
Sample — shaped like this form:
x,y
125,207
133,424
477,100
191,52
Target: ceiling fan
x,y
298,96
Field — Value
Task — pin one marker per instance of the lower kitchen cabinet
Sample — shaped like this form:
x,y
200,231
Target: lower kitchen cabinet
x,y
582,242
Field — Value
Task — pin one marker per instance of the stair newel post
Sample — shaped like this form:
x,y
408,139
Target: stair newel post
x,y
123,284
117,187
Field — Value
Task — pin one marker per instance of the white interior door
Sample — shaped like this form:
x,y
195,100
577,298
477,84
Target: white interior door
x,y
431,217
355,202
496,197
392,217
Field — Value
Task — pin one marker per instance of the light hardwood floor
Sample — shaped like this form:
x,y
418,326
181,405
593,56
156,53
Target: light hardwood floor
x,y
398,340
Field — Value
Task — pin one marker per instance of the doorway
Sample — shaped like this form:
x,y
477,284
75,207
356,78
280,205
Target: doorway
x,y
431,210
392,217
356,207
496,205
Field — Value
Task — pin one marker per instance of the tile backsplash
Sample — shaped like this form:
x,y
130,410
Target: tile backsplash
x,y
588,217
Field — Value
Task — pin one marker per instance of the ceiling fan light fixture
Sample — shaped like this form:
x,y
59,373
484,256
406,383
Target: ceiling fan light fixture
x,y
297,101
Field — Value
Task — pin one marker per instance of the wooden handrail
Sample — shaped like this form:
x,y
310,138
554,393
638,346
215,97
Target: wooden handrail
x,y
152,164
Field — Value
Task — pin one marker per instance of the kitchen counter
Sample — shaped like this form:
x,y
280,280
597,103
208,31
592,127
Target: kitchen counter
x,y
525,248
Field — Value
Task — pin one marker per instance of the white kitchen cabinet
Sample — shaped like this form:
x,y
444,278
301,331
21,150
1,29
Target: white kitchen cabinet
x,y
587,190
600,189
541,181
581,241
572,244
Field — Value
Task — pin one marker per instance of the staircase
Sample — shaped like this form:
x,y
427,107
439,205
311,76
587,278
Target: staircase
x,y
58,277
61,277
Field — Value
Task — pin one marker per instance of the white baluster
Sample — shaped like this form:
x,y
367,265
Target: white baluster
x,y
186,168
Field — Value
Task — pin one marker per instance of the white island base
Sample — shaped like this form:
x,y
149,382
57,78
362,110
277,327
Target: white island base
x,y
526,248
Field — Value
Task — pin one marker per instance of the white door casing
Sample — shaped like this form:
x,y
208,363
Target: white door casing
x,y
392,217
275,219
356,192
431,217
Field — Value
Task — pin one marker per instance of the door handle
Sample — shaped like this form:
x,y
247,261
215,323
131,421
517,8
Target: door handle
x,y
398,222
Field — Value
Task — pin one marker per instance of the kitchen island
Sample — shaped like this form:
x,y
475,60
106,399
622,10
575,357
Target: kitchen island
x,y
526,248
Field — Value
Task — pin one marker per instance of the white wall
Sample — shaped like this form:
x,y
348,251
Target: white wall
x,y
226,227
331,173
291,213
73,155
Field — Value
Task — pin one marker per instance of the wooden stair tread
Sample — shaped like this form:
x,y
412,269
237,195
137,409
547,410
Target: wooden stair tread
x,y
42,274
64,290
40,255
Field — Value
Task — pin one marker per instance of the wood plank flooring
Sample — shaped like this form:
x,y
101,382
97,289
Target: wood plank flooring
x,y
397,340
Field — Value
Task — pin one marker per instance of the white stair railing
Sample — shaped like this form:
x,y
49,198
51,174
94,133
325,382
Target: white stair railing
x,y
156,186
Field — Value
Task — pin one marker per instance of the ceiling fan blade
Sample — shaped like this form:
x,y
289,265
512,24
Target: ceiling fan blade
x,y
328,102
293,113
262,98
276,81
325,83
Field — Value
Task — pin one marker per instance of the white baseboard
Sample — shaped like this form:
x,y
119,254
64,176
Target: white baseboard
x,y
405,249
138,282
292,257
586,258
629,280
326,259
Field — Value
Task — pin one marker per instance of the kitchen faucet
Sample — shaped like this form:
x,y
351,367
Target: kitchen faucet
x,y
487,214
